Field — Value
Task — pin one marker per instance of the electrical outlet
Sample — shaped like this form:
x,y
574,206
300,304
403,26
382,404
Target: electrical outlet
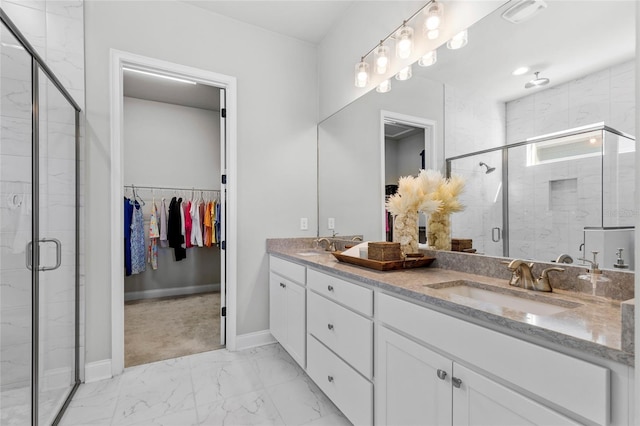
x,y
304,223
331,223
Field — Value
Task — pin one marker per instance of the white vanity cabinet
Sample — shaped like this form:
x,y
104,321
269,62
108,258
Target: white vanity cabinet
x,y
417,386
521,383
340,343
287,307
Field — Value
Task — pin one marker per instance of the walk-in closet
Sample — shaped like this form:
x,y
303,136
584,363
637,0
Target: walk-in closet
x,y
173,210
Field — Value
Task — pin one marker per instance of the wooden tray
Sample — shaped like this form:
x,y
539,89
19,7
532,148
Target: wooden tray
x,y
385,265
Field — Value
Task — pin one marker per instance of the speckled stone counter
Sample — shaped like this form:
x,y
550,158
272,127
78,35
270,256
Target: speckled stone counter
x,y
593,326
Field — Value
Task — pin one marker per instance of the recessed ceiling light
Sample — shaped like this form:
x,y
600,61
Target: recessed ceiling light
x,y
593,140
520,71
523,10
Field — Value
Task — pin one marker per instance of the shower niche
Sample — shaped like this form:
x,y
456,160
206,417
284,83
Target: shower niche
x,y
569,192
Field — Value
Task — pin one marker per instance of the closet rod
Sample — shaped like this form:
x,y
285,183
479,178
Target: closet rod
x,y
170,188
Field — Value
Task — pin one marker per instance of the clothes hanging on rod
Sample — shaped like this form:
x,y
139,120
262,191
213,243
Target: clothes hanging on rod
x,y
154,236
138,249
174,229
128,215
185,224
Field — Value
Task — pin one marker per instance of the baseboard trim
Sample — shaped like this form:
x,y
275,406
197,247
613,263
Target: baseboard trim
x,y
251,340
169,292
98,370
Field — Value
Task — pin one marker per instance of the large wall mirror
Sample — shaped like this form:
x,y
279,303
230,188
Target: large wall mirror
x,y
468,102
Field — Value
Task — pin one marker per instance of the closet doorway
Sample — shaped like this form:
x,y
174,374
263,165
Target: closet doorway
x,y
173,138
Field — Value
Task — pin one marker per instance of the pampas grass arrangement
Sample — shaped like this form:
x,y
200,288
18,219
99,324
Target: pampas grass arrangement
x,y
429,193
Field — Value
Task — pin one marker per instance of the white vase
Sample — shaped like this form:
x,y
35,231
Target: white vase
x,y
439,231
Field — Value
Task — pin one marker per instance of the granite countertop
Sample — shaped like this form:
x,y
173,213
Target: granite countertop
x,y
593,327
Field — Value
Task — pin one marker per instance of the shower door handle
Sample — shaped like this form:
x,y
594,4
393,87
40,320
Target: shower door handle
x,y
495,238
29,252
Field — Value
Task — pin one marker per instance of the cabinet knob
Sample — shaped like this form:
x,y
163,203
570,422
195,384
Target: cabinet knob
x,y
330,326
330,379
442,374
283,285
330,287
456,382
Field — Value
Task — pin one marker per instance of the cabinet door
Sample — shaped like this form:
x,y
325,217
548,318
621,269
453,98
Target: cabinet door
x,y
413,383
277,307
481,401
296,322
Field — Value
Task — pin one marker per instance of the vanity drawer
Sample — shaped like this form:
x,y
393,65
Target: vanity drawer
x,y
348,334
354,296
287,269
571,383
351,392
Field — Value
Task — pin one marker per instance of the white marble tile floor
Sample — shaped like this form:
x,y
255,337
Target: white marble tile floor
x,y
260,386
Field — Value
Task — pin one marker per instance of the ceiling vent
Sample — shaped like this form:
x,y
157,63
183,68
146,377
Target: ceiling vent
x,y
523,10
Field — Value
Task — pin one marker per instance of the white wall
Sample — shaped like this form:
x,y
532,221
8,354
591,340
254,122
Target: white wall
x,y
169,145
276,150
366,22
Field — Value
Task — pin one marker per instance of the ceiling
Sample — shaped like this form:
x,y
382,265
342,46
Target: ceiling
x,y
156,89
566,41
305,20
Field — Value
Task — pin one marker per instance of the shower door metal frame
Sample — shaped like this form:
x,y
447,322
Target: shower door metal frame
x,y
38,64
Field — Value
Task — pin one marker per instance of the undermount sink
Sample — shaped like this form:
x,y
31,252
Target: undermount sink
x,y
535,304
312,252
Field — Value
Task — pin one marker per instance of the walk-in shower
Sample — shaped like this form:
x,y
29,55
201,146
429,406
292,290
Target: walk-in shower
x,y
569,192
39,339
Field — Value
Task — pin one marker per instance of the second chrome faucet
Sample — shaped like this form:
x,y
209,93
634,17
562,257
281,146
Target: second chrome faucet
x,y
522,276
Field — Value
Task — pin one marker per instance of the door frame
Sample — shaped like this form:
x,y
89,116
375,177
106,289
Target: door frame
x,y
118,59
430,147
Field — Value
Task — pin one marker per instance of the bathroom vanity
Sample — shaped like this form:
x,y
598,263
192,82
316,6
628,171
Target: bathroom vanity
x,y
421,347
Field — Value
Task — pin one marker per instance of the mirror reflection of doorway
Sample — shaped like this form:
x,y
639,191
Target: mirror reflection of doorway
x,y
406,151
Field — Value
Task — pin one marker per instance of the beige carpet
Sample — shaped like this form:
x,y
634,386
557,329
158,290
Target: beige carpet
x,y
159,329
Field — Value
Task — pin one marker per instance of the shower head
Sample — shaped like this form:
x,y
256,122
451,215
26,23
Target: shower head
x,y
489,168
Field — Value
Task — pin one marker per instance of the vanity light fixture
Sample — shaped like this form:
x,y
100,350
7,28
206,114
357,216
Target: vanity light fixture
x,y
428,59
381,59
458,41
520,71
404,74
434,13
166,77
362,73
404,41
536,82
384,87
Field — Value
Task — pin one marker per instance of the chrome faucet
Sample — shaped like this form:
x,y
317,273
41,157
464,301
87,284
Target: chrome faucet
x,y
521,275
543,283
331,245
564,258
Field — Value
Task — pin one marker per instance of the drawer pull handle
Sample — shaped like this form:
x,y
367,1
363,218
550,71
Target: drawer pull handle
x,y
330,287
283,285
442,374
330,379
456,382
330,326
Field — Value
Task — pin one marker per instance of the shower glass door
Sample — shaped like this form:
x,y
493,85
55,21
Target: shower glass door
x,y
57,247
15,232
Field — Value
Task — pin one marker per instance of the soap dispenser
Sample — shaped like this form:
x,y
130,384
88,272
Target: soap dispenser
x,y
594,275
620,261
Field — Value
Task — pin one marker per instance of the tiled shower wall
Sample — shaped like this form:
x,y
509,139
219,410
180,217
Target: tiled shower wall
x,y
474,122
540,228
56,30
607,95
